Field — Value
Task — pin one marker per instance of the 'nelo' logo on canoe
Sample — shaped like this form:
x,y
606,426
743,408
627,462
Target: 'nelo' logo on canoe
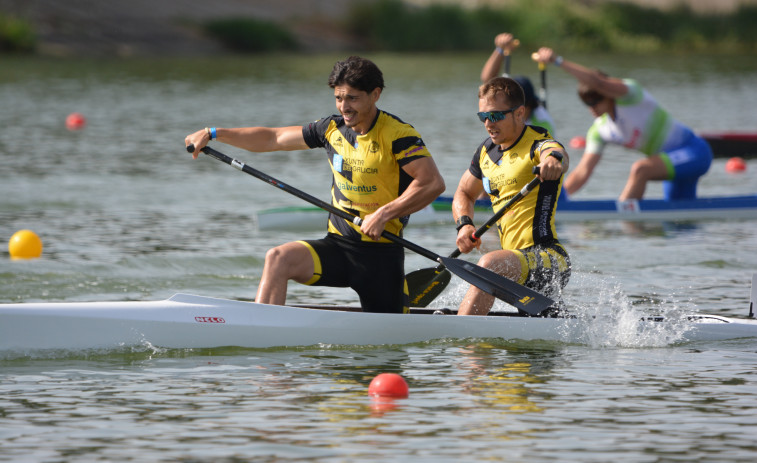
x,y
210,320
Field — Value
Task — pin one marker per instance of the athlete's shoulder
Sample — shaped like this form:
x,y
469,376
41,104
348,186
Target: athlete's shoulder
x,y
392,121
540,131
323,123
315,132
634,94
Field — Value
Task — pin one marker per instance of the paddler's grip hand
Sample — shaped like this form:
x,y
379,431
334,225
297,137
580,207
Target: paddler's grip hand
x,y
194,152
196,141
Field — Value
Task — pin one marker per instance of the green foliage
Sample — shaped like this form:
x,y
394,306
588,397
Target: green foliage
x,y
16,35
247,35
394,25
743,26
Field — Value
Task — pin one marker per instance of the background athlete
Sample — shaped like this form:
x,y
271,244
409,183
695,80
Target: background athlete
x,y
626,114
531,253
536,113
382,172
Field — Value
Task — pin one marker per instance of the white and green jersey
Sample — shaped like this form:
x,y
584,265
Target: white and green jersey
x,y
640,124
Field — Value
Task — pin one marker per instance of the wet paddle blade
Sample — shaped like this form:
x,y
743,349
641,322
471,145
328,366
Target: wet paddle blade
x,y
520,297
426,284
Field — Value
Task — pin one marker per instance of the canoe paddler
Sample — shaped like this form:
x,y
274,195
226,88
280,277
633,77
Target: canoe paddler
x,y
502,165
627,115
382,172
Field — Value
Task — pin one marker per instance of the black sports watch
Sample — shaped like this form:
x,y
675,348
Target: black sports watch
x,y
463,221
556,155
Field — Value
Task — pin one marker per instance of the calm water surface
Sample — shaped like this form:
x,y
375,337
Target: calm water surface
x,y
125,214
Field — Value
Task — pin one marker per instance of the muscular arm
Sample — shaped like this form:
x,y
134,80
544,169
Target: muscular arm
x,y
426,186
467,191
255,139
507,43
492,66
581,173
610,87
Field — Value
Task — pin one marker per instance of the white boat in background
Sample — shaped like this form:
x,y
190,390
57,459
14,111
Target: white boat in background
x,y
582,210
187,321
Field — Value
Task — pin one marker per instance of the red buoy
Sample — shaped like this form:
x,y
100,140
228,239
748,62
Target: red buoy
x,y
388,385
75,121
735,164
578,142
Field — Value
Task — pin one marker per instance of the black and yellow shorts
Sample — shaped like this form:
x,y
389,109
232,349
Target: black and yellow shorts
x,y
376,271
544,268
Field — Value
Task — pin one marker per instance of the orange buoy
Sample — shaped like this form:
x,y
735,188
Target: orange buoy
x,y
388,385
25,244
75,121
735,164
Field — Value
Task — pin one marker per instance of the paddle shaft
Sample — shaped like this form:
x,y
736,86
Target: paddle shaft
x,y
516,42
311,199
543,89
495,218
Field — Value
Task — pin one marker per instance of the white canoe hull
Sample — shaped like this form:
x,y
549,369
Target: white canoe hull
x,y
186,321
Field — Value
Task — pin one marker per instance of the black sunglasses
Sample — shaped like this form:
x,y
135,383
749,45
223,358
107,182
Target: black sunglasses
x,y
495,116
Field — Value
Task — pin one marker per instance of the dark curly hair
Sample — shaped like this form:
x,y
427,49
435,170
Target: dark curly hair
x,y
357,72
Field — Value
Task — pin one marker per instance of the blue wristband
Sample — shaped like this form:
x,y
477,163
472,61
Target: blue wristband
x,y
558,61
500,51
213,134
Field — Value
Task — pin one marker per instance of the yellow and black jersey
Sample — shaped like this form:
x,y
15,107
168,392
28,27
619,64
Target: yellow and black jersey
x,y
367,169
530,221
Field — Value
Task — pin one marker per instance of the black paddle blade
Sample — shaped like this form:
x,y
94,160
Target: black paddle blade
x,y
520,297
426,284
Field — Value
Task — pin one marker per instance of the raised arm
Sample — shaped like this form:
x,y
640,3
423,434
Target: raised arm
x,y
610,87
504,45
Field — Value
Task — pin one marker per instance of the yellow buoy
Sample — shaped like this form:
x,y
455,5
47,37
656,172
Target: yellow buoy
x,y
25,244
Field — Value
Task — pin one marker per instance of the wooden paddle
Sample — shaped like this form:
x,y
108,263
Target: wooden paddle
x,y
523,298
426,284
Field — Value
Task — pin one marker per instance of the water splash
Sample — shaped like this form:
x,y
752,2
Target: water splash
x,y
606,317
603,315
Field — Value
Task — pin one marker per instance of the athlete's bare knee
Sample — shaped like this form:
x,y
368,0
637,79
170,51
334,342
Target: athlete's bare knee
x,y
641,170
289,261
278,259
489,261
499,262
